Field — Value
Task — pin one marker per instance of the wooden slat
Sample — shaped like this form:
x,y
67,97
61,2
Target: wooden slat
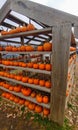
x,y
11,41
8,25
28,33
76,31
34,10
61,44
4,11
25,97
38,87
16,19
27,69
72,52
32,52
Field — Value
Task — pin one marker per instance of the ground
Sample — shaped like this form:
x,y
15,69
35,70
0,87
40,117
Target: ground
x,y
13,117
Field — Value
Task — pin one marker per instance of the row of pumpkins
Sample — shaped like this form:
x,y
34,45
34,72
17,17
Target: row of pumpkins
x,y
19,29
40,66
30,105
27,92
47,46
26,79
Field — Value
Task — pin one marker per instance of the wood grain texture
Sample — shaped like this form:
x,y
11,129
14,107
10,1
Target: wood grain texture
x,y
61,43
5,10
41,13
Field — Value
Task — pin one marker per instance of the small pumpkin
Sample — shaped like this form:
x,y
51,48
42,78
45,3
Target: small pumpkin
x,y
39,98
38,109
36,81
33,94
45,99
26,103
41,66
31,106
46,112
47,46
22,48
35,66
29,48
16,100
40,48
21,101
48,67
30,81
25,79
30,27
42,82
48,84
30,65
11,88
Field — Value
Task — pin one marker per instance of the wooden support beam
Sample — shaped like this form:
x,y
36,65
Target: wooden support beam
x,y
49,17
76,31
8,25
22,40
16,19
60,56
5,10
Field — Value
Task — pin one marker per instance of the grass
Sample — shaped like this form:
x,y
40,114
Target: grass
x,y
46,124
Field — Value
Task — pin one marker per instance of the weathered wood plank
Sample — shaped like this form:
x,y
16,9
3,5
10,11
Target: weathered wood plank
x,y
28,33
61,43
5,10
76,31
50,16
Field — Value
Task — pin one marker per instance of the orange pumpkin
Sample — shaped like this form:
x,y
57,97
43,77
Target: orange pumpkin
x,y
41,66
47,46
16,100
21,101
46,111
33,94
25,79
30,27
38,109
29,48
36,81
26,91
23,28
42,82
31,106
35,66
19,77
30,65
22,48
39,98
48,84
12,98
45,99
40,48
30,81
48,67
11,88
27,103
17,88
23,64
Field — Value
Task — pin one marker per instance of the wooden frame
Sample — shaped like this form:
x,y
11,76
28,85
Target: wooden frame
x,y
59,25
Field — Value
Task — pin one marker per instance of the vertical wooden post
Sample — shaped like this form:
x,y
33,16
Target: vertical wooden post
x,y
60,56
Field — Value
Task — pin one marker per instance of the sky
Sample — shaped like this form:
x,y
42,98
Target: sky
x,y
70,6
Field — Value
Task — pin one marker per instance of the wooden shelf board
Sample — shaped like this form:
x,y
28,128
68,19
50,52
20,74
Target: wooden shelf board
x,y
25,97
27,69
72,52
32,52
28,33
38,87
